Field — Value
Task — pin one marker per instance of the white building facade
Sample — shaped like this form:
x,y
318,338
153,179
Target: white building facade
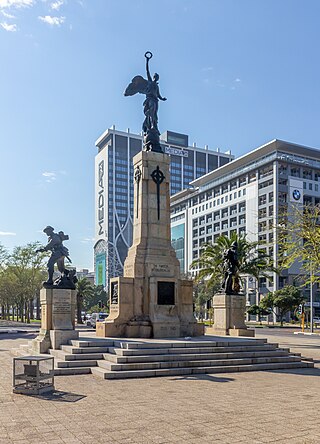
x,y
245,196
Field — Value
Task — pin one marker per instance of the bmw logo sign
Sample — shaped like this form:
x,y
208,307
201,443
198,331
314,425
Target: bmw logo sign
x,y
296,194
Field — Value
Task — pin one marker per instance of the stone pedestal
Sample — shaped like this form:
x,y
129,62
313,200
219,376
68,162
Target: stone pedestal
x,y
229,315
57,319
151,300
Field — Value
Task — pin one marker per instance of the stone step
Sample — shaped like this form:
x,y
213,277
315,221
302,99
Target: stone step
x,y
83,350
196,350
186,344
80,343
60,354
71,371
107,374
197,356
74,364
196,363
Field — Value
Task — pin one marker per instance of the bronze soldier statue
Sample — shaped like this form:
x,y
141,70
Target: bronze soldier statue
x,y
58,254
231,283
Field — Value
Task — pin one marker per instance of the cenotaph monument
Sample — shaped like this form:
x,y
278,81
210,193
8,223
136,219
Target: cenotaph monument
x,y
150,300
58,298
229,304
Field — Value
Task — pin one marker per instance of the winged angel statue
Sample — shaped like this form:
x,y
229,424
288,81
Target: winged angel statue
x,y
150,88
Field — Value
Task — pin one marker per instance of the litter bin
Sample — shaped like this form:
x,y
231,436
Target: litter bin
x,y
33,375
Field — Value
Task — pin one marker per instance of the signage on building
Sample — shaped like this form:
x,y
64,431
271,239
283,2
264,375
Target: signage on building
x,y
101,200
176,151
101,269
296,190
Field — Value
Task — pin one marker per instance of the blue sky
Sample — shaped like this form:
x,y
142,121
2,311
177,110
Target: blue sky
x,y
237,73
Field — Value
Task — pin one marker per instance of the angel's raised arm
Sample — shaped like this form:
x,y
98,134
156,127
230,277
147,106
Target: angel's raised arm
x,y
148,56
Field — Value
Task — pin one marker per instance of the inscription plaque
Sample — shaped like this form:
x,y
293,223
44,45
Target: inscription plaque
x,y
166,293
61,304
114,293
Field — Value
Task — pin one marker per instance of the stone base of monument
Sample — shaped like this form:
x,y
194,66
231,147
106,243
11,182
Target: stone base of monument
x,y
169,315
229,315
57,319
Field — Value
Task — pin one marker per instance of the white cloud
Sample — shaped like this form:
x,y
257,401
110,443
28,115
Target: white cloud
x,y
6,15
87,240
50,176
52,21
56,5
237,80
7,27
7,233
16,3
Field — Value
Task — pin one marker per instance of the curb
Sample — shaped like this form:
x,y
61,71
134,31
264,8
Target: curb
x,y
17,331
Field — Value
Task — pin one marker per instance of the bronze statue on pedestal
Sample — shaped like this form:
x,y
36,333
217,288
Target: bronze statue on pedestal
x,y
150,88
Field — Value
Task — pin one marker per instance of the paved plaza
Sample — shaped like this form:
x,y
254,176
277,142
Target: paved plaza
x,y
254,407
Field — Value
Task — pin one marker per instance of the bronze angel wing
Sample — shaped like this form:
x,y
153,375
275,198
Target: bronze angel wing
x,y
138,85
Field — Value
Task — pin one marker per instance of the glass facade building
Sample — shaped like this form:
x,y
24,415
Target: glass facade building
x,y
114,189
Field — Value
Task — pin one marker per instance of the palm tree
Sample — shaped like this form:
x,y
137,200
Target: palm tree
x,y
84,290
252,261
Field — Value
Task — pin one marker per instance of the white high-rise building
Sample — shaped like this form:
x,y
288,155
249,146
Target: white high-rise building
x,y
245,196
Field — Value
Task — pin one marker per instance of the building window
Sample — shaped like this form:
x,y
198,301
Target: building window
x,y
233,185
295,172
224,213
233,222
263,199
262,282
271,197
262,213
242,181
282,198
307,174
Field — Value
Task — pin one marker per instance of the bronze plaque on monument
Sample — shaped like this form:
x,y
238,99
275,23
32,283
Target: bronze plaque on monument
x,y
114,293
166,293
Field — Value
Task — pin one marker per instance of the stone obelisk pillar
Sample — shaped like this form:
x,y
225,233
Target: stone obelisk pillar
x,y
151,300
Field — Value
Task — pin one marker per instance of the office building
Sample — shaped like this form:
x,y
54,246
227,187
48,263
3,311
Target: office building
x,y
245,196
114,189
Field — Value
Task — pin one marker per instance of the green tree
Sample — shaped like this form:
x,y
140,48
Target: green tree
x,y
99,294
202,293
281,301
257,310
84,292
298,232
252,260
27,266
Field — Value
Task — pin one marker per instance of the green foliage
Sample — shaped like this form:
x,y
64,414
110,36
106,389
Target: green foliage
x,y
21,277
286,299
84,292
202,293
252,261
257,310
299,241
92,299
97,309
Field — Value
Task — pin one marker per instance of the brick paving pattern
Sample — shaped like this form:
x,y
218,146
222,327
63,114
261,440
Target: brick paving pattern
x,y
258,407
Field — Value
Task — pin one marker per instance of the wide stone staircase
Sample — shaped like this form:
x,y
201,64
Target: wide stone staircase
x,y
115,358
